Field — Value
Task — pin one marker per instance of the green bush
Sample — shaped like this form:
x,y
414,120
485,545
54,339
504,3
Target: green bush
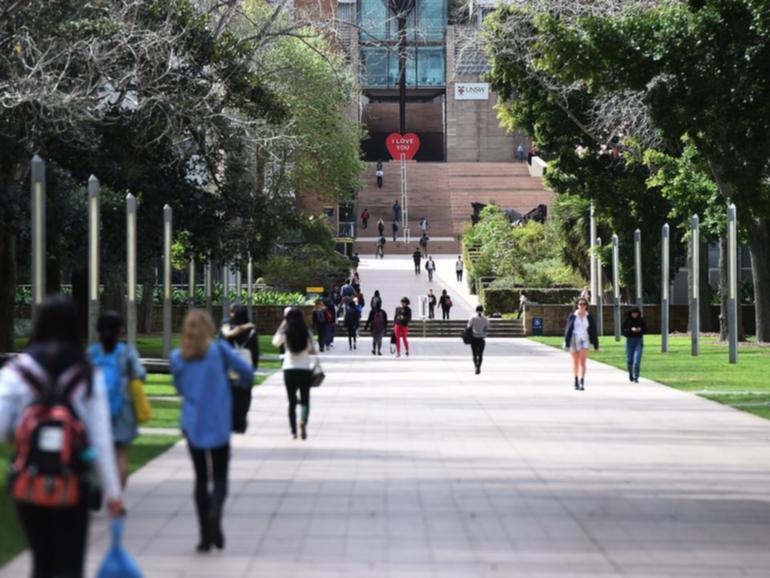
x,y
306,266
507,300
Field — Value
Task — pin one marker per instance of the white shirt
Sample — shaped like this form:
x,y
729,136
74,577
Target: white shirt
x,y
291,359
458,265
480,325
580,327
16,395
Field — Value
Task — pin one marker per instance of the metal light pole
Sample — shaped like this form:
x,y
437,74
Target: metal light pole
x,y
732,276
616,285
250,290
592,248
599,293
225,291
208,283
37,226
131,269
638,267
238,284
94,222
665,242
695,286
191,285
167,222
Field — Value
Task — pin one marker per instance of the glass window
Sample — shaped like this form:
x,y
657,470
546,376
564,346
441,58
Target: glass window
x,y
432,19
374,66
372,18
430,66
411,69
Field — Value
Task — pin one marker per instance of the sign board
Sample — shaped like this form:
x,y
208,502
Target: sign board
x,y
344,240
537,326
314,290
472,91
402,144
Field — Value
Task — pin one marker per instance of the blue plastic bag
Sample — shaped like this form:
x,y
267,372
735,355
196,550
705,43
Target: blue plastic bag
x,y
118,563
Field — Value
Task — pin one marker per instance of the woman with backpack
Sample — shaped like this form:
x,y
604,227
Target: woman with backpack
x,y
401,325
297,341
445,302
378,320
352,320
56,522
200,368
120,365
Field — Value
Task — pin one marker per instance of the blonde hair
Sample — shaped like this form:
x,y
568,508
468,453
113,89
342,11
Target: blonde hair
x,y
197,331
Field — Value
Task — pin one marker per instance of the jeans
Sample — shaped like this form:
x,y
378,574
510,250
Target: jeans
x,y
445,312
211,467
459,275
57,537
634,347
477,348
430,274
417,267
297,379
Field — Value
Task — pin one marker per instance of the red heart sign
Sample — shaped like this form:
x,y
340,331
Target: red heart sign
x,y
399,144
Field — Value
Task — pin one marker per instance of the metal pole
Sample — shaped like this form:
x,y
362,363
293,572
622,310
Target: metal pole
x,y
131,269
37,226
695,286
225,291
599,293
616,285
732,275
404,202
167,223
94,221
208,283
664,289
638,267
191,284
238,284
592,248
250,290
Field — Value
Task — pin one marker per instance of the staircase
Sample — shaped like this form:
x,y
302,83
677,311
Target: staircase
x,y
454,328
443,192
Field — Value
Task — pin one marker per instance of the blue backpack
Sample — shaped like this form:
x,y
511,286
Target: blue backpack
x,y
112,365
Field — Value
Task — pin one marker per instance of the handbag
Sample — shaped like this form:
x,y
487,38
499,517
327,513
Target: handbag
x,y
318,374
118,563
467,335
142,407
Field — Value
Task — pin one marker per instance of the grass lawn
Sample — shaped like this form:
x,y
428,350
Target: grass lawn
x,y
744,385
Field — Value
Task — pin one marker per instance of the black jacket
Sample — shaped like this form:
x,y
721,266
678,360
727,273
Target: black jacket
x,y
570,327
248,340
403,316
629,322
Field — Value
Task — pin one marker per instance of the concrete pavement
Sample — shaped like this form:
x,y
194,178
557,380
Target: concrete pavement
x,y
416,467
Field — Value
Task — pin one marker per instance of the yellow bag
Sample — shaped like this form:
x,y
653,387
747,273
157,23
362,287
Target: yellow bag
x,y
142,408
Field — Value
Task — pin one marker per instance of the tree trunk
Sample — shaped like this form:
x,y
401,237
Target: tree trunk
x,y
7,288
759,248
144,315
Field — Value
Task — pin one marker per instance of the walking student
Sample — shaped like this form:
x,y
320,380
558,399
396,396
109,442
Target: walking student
x,y
459,266
200,368
430,267
56,526
394,228
380,176
320,321
376,300
378,321
381,247
479,326
431,304
297,341
401,326
579,335
119,364
381,227
522,304
634,328
241,334
396,211
416,257
352,320
445,302
424,243
365,219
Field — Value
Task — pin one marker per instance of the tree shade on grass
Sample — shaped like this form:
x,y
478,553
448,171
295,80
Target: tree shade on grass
x,y
744,386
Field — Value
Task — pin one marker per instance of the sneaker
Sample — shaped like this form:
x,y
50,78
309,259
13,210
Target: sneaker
x,y
379,353
478,370
354,345
582,385
636,380
398,355
374,352
407,354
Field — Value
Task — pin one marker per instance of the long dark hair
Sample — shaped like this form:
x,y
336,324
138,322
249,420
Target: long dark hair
x,y
55,341
296,331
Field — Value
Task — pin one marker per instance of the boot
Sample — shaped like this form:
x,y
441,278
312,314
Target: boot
x,y
577,384
582,383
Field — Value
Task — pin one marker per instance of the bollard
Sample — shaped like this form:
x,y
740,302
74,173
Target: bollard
x,y
238,284
638,268
131,269
94,220
208,283
592,256
599,292
191,284
225,292
250,290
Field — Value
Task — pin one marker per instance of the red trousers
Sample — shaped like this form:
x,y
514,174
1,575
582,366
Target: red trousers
x,y
402,332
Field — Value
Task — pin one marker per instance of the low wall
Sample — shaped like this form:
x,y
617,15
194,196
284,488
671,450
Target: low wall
x,y
555,316
266,317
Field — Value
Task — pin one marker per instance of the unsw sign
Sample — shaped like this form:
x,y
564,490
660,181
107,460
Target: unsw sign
x,y
472,91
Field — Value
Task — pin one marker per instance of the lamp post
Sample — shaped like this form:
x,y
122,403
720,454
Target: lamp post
x,y
94,221
695,285
208,283
732,277
616,285
167,223
250,290
664,286
599,295
638,267
191,284
592,256
131,268
37,226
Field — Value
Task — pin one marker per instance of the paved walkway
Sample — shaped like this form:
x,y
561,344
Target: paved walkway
x,y
416,467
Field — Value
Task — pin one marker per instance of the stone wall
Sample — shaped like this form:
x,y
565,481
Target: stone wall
x,y
555,316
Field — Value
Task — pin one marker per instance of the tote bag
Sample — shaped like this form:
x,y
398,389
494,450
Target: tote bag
x,y
118,563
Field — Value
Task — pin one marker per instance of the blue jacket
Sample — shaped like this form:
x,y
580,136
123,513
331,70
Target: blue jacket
x,y
570,327
205,389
